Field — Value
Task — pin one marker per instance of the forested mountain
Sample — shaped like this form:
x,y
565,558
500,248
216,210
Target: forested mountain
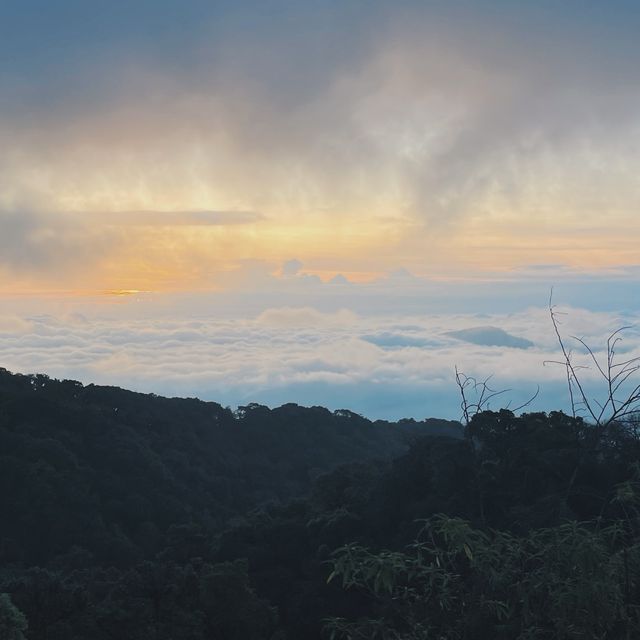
x,y
100,479
135,517
527,528
113,471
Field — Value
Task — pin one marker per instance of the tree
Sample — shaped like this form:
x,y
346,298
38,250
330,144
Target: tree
x,y
570,582
12,620
618,399
476,396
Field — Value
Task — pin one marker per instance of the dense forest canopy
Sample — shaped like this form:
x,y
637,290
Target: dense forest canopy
x,y
132,516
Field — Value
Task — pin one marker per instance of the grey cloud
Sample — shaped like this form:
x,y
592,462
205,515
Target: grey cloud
x,y
339,279
34,240
305,317
388,340
459,109
291,267
490,337
181,218
298,355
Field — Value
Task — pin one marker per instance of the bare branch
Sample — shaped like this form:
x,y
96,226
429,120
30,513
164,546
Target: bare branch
x,y
476,395
572,378
529,401
615,405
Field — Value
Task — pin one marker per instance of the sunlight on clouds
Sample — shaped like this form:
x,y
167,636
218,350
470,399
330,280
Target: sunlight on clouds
x,y
384,366
445,143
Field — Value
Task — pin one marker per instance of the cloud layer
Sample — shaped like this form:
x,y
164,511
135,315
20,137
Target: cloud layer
x,y
327,189
495,134
384,367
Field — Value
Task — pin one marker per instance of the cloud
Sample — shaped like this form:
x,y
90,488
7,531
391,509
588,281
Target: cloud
x,y
381,366
305,317
490,337
181,218
291,268
388,340
399,292
450,139
14,325
445,114
33,239
200,144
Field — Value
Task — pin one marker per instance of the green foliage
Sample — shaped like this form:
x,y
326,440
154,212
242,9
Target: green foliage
x,y
546,546
134,517
112,504
568,582
12,621
114,472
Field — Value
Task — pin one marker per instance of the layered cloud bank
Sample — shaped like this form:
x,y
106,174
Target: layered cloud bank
x,y
381,366
262,169
160,144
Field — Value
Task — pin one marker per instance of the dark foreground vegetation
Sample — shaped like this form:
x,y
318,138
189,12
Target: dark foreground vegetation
x,y
125,516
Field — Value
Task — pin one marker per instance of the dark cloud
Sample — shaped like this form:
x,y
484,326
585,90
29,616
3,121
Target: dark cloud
x,y
490,337
387,340
31,240
458,110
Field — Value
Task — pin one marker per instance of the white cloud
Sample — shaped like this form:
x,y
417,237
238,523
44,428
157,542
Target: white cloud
x,y
382,366
13,325
305,317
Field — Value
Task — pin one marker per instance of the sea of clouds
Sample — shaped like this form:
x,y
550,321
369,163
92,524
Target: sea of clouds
x,y
382,366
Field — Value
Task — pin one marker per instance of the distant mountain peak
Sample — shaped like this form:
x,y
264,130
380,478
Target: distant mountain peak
x,y
489,336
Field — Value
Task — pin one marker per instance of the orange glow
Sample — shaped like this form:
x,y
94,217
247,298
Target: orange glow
x,y
362,250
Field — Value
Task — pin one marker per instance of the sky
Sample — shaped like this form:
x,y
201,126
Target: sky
x,y
299,201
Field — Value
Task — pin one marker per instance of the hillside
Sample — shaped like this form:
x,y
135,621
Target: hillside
x,y
112,471
128,516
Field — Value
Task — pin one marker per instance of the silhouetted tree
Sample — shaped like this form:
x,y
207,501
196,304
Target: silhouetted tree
x,y
13,624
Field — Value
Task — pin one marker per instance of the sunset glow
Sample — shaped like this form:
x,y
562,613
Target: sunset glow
x,y
229,158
